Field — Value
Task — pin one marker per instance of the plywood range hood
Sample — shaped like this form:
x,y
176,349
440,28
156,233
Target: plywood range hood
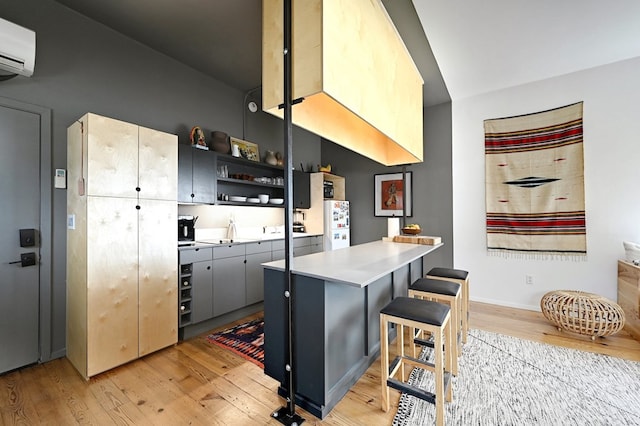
x,y
360,86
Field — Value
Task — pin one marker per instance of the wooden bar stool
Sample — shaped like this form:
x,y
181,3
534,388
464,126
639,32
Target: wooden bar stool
x,y
461,277
434,318
446,292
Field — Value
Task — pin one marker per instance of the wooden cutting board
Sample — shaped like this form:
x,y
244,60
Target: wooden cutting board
x,y
417,239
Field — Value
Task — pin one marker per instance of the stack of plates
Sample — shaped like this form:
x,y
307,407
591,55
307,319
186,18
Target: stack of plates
x,y
253,200
237,198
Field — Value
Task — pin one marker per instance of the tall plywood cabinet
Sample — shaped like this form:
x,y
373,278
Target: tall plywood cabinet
x,y
121,242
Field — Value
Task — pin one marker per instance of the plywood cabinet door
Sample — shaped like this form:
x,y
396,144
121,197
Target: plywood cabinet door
x,y
157,275
110,162
112,283
122,251
158,165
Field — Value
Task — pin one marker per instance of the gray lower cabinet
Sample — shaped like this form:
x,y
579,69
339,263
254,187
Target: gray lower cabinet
x,y
255,276
301,246
229,277
229,292
201,291
199,263
277,250
316,243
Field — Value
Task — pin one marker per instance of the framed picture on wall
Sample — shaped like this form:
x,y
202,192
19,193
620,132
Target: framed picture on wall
x,y
244,149
388,196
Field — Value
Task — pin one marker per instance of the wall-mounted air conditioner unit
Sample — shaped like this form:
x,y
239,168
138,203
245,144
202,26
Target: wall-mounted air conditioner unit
x,y
17,48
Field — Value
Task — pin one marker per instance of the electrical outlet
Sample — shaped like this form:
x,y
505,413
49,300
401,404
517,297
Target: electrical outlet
x,y
528,279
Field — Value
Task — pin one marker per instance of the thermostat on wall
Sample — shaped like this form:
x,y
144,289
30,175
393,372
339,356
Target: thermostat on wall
x,y
61,178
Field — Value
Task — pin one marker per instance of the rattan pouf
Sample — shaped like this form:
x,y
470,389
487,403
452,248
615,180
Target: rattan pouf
x,y
583,313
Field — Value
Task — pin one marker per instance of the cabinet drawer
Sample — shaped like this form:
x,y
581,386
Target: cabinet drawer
x,y
301,251
316,239
277,255
258,247
195,255
221,252
301,242
277,245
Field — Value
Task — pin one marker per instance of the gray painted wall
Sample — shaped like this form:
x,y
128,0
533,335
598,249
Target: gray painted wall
x,y
432,183
83,66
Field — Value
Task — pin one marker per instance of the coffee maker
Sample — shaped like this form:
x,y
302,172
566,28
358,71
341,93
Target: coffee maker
x,y
298,226
186,228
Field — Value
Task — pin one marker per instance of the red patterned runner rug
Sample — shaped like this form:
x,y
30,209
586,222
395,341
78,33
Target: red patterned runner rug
x,y
246,340
535,184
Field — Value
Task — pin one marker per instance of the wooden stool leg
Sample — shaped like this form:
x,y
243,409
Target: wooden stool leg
x,y
465,310
451,359
384,361
400,347
439,376
452,336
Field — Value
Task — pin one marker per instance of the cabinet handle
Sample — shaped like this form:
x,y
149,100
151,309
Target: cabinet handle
x,y
245,261
137,207
138,188
208,268
193,195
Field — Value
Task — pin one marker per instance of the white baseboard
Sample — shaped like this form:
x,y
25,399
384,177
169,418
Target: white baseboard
x,y
507,304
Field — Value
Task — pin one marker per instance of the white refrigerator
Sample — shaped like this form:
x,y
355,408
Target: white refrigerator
x,y
336,224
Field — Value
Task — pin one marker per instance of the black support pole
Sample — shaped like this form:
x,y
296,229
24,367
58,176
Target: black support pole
x,y
287,415
404,196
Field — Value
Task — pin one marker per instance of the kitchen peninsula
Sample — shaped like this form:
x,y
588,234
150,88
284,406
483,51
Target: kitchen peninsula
x,y
338,297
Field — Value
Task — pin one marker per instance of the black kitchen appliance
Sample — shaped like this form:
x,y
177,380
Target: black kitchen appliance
x,y
328,189
186,228
298,227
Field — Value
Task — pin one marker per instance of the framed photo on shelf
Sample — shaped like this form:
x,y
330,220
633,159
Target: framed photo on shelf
x,y
388,194
244,149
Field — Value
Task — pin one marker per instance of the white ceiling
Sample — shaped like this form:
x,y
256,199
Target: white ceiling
x,y
479,45
482,46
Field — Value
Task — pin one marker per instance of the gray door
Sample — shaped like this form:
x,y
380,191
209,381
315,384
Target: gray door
x,y
20,200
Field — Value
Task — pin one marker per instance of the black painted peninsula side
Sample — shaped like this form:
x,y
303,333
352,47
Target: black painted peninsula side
x,y
337,299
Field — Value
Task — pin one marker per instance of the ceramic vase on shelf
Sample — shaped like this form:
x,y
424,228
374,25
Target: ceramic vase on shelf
x,y
270,158
220,142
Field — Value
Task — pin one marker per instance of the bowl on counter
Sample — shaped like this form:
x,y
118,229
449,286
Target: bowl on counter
x,y
411,231
276,201
264,198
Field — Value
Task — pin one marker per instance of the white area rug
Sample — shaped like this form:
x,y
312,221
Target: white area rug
x,y
504,380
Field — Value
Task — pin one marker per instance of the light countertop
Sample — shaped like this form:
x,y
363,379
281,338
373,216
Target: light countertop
x,y
357,265
210,242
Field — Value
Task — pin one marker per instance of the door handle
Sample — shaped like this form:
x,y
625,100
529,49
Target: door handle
x,y
26,259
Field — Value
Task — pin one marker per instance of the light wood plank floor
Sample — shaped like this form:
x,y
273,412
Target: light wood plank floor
x,y
197,383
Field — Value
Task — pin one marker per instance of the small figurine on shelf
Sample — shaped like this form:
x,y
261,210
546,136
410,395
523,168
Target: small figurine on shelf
x,y
197,138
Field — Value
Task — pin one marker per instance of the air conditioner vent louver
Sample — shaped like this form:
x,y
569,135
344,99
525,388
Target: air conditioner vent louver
x,y
17,48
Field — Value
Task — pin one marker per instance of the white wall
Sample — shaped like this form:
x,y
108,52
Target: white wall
x,y
612,184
